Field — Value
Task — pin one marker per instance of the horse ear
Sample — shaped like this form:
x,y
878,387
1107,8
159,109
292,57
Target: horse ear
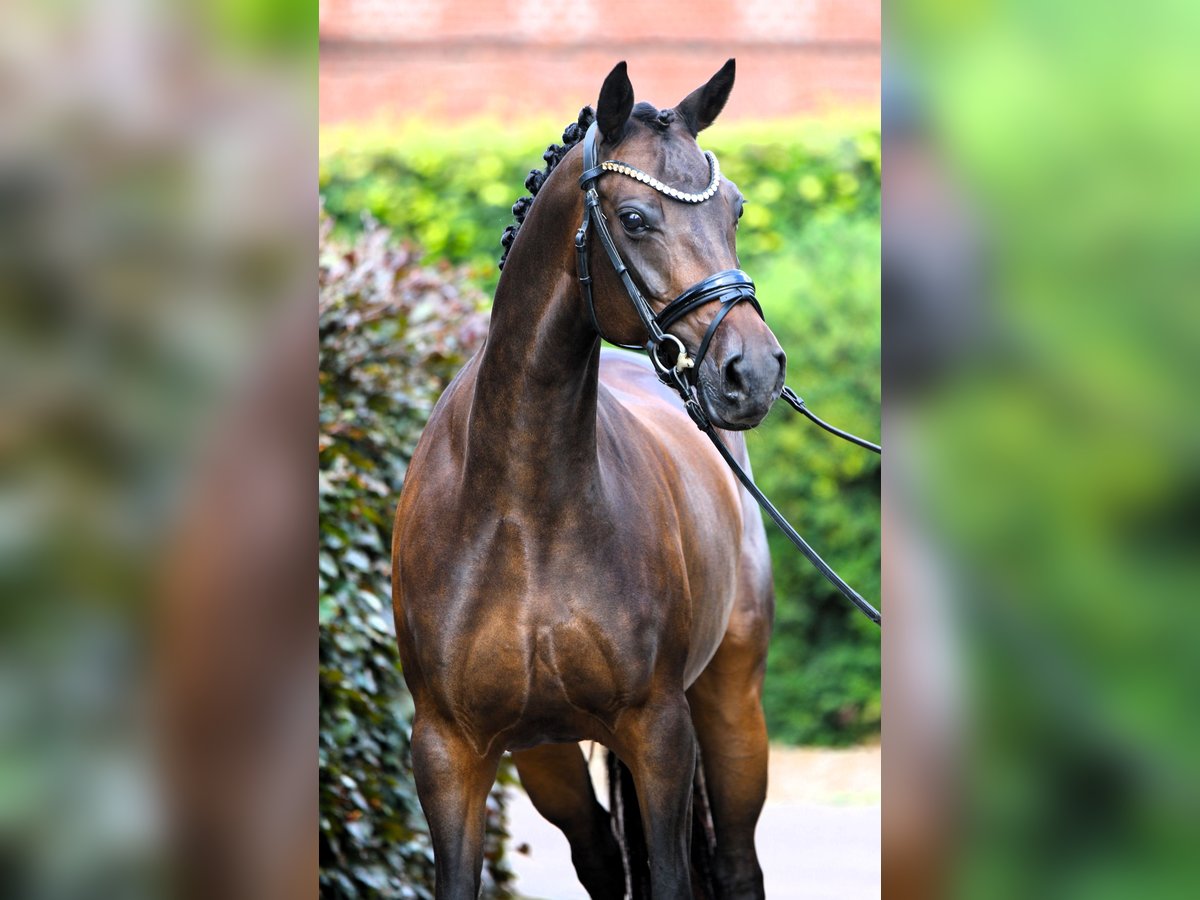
x,y
616,102
702,106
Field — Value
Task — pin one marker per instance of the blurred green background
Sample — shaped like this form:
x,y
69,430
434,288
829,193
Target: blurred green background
x,y
1058,460
810,238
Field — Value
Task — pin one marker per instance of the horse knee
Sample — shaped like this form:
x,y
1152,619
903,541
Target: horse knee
x,y
660,750
452,785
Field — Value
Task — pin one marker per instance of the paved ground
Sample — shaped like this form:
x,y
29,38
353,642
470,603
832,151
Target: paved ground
x,y
818,836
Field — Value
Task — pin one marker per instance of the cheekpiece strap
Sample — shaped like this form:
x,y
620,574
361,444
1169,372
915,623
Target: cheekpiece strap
x,y
727,288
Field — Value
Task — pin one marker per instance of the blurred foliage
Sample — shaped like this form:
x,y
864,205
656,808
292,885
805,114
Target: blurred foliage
x,y
392,334
822,301
1076,551
262,26
452,192
810,238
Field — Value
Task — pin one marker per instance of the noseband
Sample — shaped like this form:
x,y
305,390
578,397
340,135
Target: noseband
x,y
728,288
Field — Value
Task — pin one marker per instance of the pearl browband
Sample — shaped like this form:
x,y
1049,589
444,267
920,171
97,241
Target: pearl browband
x,y
612,165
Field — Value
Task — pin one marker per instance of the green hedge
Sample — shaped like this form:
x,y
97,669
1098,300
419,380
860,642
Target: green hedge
x,y
391,335
810,238
822,300
452,193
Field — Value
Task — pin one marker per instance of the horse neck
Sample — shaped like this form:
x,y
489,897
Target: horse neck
x,y
532,426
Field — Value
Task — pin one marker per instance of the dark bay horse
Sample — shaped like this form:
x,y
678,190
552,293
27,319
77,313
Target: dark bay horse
x,y
571,558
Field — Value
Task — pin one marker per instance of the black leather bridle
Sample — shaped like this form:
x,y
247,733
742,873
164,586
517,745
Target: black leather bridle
x,y
728,288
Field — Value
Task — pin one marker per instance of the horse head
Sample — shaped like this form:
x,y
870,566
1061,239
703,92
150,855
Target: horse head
x,y
673,220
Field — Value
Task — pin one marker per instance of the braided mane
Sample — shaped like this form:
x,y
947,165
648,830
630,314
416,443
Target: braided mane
x,y
554,154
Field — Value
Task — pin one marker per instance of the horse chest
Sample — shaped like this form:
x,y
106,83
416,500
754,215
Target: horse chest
x,y
538,640
545,670
529,628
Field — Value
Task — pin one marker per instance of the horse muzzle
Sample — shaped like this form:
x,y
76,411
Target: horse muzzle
x,y
738,388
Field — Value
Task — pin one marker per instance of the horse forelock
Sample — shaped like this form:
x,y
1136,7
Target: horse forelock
x,y
676,154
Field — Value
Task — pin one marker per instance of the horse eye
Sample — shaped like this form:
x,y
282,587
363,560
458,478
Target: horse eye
x,y
632,222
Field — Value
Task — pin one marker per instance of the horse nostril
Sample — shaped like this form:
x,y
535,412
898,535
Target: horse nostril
x,y
734,382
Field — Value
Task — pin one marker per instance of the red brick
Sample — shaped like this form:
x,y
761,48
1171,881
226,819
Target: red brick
x,y
457,58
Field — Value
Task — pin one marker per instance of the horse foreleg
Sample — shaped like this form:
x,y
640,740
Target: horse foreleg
x,y
658,745
555,776
726,704
453,783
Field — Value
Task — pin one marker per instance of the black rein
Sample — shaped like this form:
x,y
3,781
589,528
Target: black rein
x,y
727,288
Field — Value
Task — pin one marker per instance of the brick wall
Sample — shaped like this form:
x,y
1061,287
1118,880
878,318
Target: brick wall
x,y
449,59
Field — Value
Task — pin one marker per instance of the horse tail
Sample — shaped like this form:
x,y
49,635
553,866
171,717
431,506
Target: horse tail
x,y
704,838
627,828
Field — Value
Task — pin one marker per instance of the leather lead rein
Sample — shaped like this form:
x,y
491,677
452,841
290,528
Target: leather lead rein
x,y
727,288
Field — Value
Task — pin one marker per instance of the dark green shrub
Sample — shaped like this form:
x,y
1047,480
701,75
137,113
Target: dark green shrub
x,y
392,334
